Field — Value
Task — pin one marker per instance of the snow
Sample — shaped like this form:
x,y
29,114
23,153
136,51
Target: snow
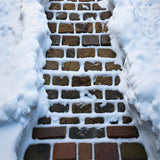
x,y
135,31
23,42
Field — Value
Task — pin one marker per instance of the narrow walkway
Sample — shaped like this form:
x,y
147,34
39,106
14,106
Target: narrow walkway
x,y
87,117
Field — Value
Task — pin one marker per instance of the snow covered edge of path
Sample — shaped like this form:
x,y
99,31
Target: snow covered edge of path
x,y
25,39
135,30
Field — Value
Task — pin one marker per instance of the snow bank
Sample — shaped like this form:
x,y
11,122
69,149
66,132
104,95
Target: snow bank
x,y
24,39
135,27
23,34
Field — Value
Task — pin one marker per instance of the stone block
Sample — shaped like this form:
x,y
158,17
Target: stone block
x,y
85,52
84,27
81,81
95,66
106,151
70,94
107,108
90,40
64,151
60,108
81,108
60,81
57,53
122,132
70,66
49,133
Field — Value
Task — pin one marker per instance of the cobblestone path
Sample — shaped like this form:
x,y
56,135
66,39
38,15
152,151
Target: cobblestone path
x,y
87,118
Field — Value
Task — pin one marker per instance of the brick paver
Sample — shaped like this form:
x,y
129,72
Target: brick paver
x,y
82,79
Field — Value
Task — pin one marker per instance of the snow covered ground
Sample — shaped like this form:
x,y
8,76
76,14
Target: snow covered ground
x,y
135,33
23,42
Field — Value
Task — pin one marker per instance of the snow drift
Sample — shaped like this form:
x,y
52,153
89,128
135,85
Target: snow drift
x,y
24,39
135,26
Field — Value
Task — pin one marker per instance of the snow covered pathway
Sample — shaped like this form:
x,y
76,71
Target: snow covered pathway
x,y
87,118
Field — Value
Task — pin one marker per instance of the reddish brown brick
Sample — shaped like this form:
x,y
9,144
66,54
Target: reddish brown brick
x,y
85,52
70,53
90,40
100,80
51,65
96,93
46,78
73,94
85,151
69,6
55,40
84,27
81,108
130,151
127,120
117,80
49,133
52,94
106,53
55,6
111,66
59,53
98,27
57,107
110,94
70,66
64,151
61,15
105,40
49,15
37,152
44,120
66,28
97,66
105,15
108,151
52,27
61,81
73,120
84,6
94,120
107,108
89,15
70,40
97,7
122,132
82,133
74,16
81,81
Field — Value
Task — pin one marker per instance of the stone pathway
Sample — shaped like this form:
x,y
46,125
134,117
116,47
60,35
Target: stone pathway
x,y
87,118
